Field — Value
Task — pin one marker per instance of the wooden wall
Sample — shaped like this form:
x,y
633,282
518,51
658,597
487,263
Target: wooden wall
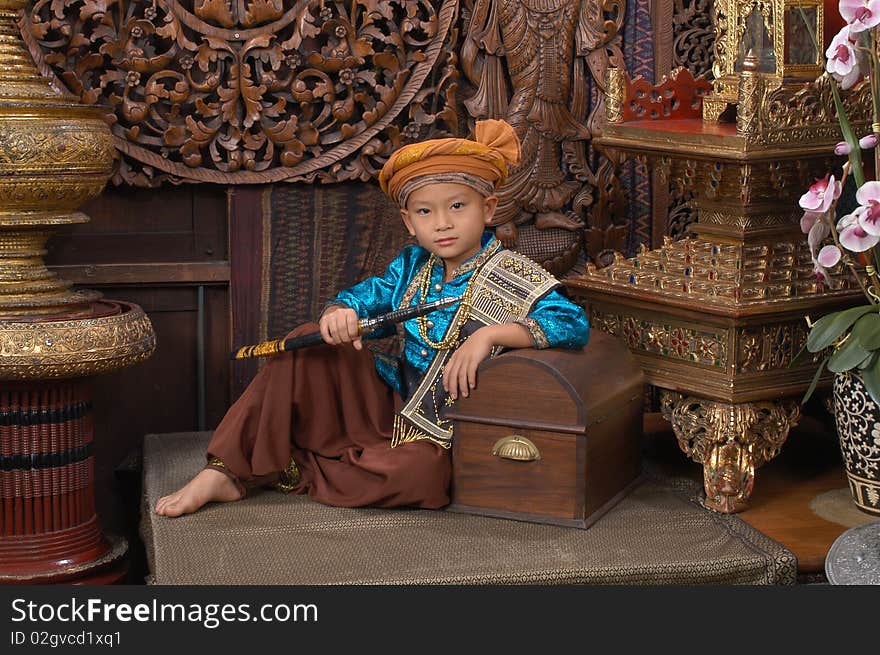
x,y
166,250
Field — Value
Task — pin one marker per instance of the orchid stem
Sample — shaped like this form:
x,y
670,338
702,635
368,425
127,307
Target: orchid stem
x,y
875,99
875,93
854,163
855,154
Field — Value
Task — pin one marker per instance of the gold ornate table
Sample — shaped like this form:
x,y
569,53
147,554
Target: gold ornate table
x,y
717,319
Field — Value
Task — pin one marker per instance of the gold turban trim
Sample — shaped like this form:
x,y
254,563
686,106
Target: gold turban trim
x,y
495,147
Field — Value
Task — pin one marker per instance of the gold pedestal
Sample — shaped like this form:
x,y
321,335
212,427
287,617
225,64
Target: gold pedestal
x,y
54,155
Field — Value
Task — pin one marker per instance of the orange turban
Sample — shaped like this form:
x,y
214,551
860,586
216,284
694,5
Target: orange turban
x,y
495,147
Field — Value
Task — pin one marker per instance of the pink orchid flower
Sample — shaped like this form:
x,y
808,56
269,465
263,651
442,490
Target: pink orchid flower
x,y
868,215
817,234
868,141
821,194
861,15
842,148
842,61
808,220
846,221
818,231
868,218
854,238
828,257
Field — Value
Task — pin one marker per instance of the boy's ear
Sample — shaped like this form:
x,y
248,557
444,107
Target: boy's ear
x,y
404,214
490,205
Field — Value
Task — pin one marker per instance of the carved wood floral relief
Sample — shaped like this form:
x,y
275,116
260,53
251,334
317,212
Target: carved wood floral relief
x,y
248,91
258,91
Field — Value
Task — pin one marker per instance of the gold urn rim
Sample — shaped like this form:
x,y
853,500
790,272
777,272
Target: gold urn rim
x,y
41,349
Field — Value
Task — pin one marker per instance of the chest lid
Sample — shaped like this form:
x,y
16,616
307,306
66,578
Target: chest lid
x,y
554,389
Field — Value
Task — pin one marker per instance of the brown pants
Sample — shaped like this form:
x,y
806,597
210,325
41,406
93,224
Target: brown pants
x,y
328,408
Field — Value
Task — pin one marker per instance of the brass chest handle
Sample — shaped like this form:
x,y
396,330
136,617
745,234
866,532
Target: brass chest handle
x,y
516,447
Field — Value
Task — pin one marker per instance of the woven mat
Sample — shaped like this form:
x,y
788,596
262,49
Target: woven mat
x,y
659,534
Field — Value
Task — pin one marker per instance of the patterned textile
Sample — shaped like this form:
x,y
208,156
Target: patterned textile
x,y
294,246
319,240
658,534
638,50
544,244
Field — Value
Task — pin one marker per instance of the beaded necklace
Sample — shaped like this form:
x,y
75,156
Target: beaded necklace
x,y
451,338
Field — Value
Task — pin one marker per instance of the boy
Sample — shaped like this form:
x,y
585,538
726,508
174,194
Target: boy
x,y
351,431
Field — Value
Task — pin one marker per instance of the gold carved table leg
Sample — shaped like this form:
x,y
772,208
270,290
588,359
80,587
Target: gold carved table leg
x,y
730,441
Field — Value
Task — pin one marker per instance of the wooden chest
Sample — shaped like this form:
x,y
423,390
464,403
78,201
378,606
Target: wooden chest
x,y
551,436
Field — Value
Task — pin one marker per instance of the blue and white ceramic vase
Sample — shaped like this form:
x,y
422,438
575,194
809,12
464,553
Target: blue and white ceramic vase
x,y
858,428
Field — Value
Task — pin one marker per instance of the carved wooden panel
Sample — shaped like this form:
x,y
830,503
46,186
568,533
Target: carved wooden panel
x,y
254,91
538,64
693,35
688,45
678,96
249,91
681,214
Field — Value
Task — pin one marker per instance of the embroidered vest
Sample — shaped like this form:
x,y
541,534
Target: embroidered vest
x,y
503,290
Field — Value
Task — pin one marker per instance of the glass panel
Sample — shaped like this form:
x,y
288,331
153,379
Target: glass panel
x,y
759,39
799,47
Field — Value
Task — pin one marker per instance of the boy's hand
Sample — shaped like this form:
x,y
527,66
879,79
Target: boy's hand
x,y
460,372
338,325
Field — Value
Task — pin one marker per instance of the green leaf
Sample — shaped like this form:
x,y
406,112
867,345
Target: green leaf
x,y
828,329
815,381
855,154
867,331
794,359
871,379
848,356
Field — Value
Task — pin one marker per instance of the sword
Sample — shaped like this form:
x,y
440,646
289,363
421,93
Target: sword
x,y
365,325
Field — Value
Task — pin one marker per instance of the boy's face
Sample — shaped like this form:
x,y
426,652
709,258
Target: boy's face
x,y
448,220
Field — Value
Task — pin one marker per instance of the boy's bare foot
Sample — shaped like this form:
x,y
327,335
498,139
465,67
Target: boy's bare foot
x,y
208,485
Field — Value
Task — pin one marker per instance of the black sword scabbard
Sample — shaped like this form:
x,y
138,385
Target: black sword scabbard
x,y
365,326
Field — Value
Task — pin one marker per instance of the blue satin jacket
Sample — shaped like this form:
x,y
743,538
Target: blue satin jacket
x,y
554,320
